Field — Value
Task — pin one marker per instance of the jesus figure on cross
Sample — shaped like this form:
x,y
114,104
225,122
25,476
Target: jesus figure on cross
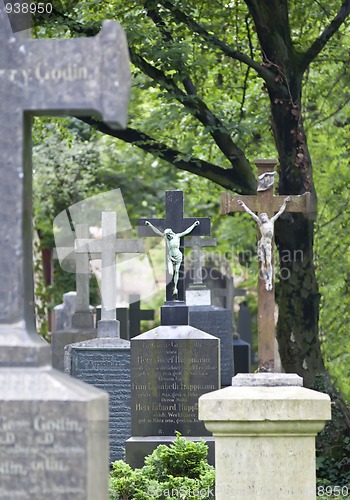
x,y
266,226
174,253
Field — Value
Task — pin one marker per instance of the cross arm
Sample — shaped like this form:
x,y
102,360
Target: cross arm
x,y
229,203
145,230
298,203
79,76
94,247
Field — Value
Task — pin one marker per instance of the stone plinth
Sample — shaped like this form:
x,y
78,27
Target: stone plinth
x,y
265,440
105,364
53,436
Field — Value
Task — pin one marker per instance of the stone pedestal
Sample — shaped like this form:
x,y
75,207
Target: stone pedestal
x,y
171,366
265,437
53,436
217,322
105,364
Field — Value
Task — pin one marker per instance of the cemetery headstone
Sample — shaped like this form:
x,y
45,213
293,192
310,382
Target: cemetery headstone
x,y
202,315
73,321
105,361
265,418
173,364
244,326
53,428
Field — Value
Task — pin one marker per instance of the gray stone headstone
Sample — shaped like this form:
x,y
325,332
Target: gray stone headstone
x,y
63,313
74,318
171,367
105,364
53,428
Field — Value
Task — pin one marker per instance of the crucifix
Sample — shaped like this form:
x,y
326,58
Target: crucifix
x,y
44,77
106,250
175,222
268,207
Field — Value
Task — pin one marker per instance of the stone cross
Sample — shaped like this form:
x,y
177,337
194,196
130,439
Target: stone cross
x,y
106,249
174,219
196,243
137,314
265,202
44,77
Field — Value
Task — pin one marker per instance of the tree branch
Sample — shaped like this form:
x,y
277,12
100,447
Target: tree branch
x,y
180,16
227,178
322,40
200,110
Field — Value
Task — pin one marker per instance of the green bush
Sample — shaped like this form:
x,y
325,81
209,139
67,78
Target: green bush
x,y
178,471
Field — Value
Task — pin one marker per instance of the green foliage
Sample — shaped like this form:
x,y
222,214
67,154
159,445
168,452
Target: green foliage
x,y
176,471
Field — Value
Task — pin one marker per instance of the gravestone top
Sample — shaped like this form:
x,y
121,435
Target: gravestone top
x,y
268,206
175,220
44,77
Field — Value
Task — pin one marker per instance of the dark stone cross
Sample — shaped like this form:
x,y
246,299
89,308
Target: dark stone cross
x,y
265,201
136,315
174,219
44,77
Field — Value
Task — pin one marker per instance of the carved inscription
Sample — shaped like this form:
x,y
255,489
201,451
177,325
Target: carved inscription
x,y
168,377
44,72
38,447
109,369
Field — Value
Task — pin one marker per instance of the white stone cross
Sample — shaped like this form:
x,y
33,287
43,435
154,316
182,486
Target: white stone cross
x,y
106,249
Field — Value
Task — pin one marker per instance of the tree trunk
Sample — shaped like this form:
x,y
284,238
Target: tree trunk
x,y
297,292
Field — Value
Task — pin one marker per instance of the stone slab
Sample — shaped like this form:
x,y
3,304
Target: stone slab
x,y
62,338
273,428
137,448
171,367
105,364
50,423
267,379
218,322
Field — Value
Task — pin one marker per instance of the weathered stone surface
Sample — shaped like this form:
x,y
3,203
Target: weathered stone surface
x,y
171,367
273,428
53,437
105,364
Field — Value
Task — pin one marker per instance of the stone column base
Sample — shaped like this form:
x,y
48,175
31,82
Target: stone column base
x,y
265,438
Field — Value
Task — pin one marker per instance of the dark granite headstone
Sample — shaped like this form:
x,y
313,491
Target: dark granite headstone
x,y
105,364
171,367
218,322
241,356
54,429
